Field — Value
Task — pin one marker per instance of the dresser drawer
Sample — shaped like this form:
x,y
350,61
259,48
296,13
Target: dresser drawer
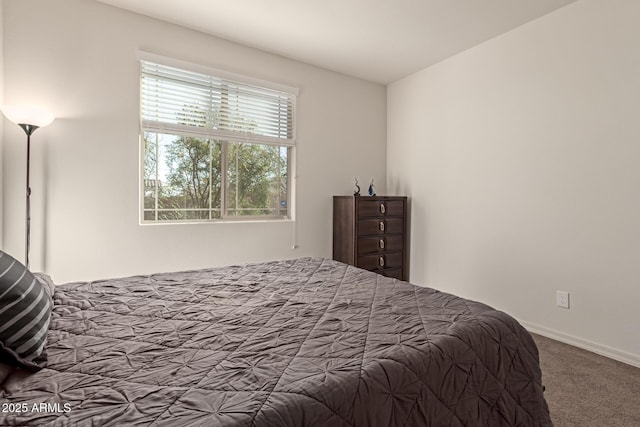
x,y
396,273
380,226
369,208
367,245
380,261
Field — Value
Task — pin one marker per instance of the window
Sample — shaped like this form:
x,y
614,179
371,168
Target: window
x,y
214,147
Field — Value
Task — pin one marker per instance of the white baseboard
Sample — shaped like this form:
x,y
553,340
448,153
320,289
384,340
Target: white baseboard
x,y
603,350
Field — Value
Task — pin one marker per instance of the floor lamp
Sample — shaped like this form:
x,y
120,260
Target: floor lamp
x,y
29,119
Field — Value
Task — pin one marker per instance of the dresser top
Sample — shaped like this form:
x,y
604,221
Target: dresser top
x,y
370,197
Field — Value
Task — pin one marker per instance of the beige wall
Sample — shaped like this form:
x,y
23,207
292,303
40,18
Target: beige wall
x,y
1,121
521,160
78,58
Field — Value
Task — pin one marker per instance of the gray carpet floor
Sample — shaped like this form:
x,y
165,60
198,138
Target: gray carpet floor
x,y
584,389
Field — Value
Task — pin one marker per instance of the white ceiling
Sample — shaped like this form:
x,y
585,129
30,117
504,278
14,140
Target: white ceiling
x,y
377,40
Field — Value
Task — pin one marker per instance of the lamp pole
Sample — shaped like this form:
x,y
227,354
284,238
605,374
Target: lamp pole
x,y
28,129
29,119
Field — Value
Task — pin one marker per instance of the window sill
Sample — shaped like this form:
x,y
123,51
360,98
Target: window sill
x,y
219,221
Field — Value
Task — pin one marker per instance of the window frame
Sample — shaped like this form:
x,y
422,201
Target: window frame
x,y
222,136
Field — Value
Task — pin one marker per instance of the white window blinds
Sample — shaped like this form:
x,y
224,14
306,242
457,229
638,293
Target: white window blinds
x,y
186,101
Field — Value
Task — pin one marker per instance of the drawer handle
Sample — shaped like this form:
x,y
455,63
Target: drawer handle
x,y
382,208
381,261
381,226
381,244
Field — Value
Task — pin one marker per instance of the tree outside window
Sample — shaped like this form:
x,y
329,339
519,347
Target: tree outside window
x,y
215,151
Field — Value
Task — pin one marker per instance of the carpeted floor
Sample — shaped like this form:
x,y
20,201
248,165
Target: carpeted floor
x,y
584,389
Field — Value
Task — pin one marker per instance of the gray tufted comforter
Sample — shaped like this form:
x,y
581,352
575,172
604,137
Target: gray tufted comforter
x,y
304,342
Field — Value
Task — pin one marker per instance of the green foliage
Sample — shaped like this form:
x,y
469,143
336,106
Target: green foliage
x,y
193,181
254,171
191,188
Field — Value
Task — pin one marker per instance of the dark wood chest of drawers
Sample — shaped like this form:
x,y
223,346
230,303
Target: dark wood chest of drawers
x,y
371,233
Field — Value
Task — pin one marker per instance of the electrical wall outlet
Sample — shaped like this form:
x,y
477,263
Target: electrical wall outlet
x,y
562,299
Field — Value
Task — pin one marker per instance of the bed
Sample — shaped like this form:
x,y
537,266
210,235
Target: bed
x,y
302,342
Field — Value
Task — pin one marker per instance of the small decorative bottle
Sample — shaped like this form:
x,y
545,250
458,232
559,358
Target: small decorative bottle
x,y
372,190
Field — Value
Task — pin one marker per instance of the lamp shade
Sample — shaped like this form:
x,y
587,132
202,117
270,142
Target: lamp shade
x,y
24,115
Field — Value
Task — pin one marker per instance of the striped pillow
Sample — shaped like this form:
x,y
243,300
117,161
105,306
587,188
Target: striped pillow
x,y
25,312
